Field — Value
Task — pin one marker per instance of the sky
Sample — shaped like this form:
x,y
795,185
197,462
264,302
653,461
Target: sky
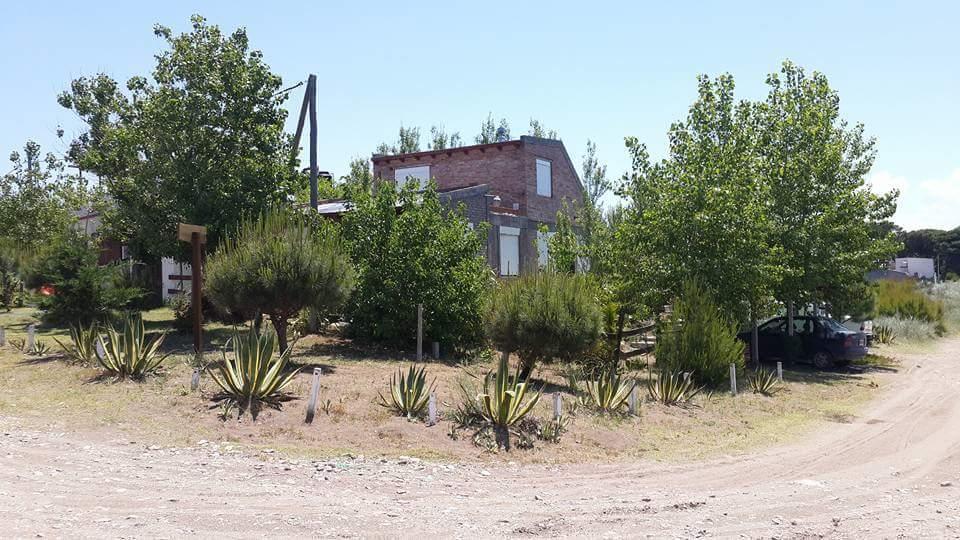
x,y
590,70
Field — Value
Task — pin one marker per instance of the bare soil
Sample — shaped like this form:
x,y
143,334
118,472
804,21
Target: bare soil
x,y
887,469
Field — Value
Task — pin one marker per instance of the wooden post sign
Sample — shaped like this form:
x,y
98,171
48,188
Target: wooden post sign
x,y
197,236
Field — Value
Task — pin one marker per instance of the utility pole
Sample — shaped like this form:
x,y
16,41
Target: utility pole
x,y
309,105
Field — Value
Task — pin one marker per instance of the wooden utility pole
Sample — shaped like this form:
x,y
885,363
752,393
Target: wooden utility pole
x,y
197,236
309,107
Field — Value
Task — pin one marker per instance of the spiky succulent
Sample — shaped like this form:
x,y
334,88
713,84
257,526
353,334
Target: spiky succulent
x,y
764,382
673,388
409,394
130,353
503,402
253,375
82,348
611,391
884,334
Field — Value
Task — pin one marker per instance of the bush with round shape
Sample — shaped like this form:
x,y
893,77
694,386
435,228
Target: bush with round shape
x,y
545,316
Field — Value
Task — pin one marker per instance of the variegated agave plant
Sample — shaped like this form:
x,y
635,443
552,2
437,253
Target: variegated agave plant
x,y
503,402
129,353
253,375
409,394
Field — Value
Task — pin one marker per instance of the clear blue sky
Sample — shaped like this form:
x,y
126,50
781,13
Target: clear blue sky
x,y
598,70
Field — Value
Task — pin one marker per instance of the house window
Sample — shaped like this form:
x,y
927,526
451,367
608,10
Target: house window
x,y
544,178
509,251
543,247
421,175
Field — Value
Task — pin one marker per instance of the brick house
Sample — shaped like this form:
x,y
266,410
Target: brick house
x,y
514,185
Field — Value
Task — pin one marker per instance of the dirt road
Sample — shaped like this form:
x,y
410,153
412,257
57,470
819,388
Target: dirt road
x,y
893,472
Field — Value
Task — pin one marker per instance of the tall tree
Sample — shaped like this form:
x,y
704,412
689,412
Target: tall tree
x,y
825,220
490,132
537,130
700,213
594,175
201,140
37,198
440,140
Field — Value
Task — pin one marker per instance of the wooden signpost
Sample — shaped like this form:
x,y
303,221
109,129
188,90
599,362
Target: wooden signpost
x,y
197,236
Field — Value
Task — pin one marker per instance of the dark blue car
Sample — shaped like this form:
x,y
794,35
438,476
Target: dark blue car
x,y
822,340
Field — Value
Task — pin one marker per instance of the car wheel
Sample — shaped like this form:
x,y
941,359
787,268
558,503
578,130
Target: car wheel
x,y
822,360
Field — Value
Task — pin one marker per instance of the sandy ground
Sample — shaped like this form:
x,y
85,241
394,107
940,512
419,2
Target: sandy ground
x,y
894,471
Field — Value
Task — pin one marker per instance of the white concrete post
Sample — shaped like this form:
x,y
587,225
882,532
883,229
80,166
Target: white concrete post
x,y
314,393
432,409
733,379
780,371
557,405
436,350
31,338
195,380
3,336
632,401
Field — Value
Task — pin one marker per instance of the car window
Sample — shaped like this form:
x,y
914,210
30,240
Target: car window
x,y
803,326
833,325
774,326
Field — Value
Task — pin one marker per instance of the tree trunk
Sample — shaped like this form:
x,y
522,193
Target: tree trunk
x,y
280,325
502,436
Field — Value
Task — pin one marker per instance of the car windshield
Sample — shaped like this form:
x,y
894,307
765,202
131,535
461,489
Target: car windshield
x,y
833,325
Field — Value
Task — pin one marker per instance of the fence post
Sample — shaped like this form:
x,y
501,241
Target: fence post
x,y
780,371
98,349
3,336
31,338
419,332
632,402
432,409
436,350
557,405
195,379
314,393
733,379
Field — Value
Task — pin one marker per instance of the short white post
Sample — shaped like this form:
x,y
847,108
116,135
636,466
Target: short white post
x,y
3,336
686,376
419,332
780,371
632,401
432,409
31,338
733,379
436,350
195,380
98,348
314,393
557,405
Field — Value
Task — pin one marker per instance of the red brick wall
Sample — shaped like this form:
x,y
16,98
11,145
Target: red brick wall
x,y
499,166
566,183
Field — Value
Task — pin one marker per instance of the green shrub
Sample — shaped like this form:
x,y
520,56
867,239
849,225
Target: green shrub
x,y
424,253
905,300
948,294
544,316
83,291
182,308
698,338
129,353
908,329
254,375
277,265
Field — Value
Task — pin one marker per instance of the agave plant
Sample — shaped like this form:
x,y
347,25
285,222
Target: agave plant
x,y
764,382
129,353
673,388
83,343
409,394
610,392
253,375
40,348
502,401
884,334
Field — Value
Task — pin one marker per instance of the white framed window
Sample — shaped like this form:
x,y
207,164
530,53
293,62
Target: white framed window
x,y
509,251
544,178
407,174
543,247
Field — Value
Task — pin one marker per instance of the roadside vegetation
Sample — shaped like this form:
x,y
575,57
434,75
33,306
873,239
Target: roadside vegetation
x,y
556,361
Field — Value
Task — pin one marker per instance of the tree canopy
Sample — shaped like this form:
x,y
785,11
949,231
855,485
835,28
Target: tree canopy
x,y
199,140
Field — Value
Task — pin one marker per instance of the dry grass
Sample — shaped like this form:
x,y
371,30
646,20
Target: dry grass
x,y
49,393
